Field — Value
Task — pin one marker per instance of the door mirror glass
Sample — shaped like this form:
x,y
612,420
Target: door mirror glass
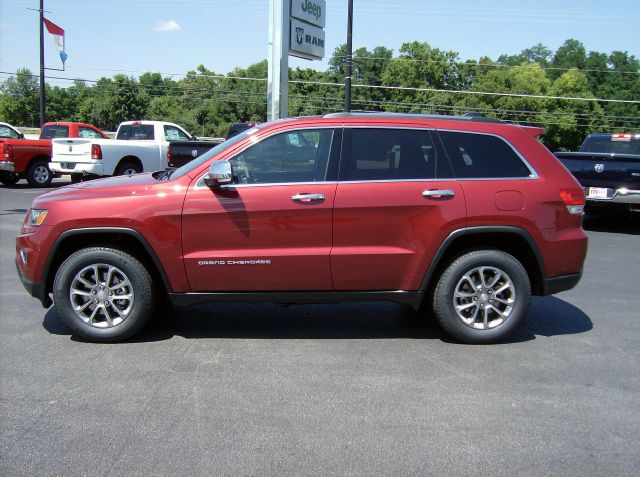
x,y
220,173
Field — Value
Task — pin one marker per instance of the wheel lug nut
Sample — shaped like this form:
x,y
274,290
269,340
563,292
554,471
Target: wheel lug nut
x,y
106,302
110,293
96,301
93,292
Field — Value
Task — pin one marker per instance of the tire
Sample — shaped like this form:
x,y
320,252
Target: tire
x,y
38,173
488,314
76,290
128,168
9,178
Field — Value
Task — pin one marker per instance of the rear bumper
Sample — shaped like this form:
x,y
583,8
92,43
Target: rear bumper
x,y
92,168
7,166
554,285
616,196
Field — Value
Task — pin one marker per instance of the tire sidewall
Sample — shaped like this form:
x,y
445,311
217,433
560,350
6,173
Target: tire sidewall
x,y
140,281
9,178
444,292
31,177
127,165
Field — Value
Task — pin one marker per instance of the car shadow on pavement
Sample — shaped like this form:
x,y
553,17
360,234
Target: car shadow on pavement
x,y
549,316
613,223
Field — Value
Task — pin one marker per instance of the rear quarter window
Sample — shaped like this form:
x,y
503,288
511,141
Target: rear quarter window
x,y
482,156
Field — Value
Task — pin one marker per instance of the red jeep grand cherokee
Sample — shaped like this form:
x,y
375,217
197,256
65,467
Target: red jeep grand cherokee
x,y
469,215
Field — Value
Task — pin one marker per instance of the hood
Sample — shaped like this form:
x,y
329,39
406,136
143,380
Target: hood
x,y
117,186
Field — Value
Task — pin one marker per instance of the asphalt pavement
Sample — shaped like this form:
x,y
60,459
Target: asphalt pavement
x,y
349,389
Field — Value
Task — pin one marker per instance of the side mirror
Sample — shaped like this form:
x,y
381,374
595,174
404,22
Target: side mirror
x,y
20,135
220,173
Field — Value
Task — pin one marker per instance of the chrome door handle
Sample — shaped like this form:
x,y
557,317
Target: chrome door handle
x,y
438,193
307,197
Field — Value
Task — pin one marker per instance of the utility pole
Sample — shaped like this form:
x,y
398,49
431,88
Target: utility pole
x,y
42,90
348,60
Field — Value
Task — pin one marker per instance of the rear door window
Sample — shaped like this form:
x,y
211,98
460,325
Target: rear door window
x,y
389,154
482,156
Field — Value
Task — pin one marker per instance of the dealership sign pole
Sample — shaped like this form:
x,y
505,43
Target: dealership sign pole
x,y
296,28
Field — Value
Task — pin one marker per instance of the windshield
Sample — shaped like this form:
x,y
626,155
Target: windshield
x,y
189,166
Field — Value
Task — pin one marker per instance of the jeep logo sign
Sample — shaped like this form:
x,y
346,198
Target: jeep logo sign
x,y
306,41
310,11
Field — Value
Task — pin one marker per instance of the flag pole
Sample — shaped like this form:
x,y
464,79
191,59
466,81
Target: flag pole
x,y
42,90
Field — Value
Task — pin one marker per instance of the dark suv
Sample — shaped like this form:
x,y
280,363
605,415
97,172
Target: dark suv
x,y
467,215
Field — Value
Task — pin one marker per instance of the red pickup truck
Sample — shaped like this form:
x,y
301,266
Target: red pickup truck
x,y
29,158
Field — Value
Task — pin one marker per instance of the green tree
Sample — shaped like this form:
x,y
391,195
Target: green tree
x,y
571,54
21,103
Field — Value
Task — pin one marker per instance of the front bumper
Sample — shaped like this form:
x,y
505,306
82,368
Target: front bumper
x,y
85,168
36,290
7,166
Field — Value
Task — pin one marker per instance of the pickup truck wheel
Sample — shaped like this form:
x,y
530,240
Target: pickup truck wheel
x,y
38,173
103,294
128,169
9,178
482,296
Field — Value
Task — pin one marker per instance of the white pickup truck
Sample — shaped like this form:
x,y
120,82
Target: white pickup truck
x,y
139,146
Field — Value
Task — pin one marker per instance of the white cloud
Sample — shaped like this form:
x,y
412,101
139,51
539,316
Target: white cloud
x,y
170,25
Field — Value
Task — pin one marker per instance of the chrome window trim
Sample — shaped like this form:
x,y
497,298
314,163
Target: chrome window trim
x,y
534,174
201,185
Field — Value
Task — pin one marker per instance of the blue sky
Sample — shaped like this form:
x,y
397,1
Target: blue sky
x,y
172,36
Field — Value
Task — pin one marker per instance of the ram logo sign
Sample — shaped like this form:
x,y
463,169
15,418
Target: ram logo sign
x,y
307,41
599,167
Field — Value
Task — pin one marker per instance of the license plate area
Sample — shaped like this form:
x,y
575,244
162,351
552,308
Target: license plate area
x,y
598,193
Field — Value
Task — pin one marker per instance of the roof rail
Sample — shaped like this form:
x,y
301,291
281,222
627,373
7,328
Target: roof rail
x,y
469,116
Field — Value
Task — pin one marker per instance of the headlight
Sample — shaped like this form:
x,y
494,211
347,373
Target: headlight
x,y
36,217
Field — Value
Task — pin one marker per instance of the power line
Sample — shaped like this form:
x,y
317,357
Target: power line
x,y
484,93
470,63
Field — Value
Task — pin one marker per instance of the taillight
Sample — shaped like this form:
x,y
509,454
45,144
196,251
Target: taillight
x,y
574,199
168,154
96,151
7,151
